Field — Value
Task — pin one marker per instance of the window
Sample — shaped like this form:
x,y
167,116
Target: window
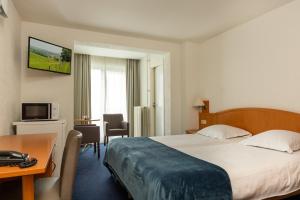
x,y
108,86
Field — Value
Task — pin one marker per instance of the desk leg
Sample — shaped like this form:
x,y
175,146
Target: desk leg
x,y
28,187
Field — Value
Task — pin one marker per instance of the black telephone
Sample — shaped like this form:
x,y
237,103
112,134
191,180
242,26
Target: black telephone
x,y
14,158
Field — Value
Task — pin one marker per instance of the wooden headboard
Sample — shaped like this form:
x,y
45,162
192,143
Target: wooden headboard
x,y
254,120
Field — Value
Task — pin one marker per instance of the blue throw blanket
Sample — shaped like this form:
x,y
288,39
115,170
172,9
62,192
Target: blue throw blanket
x,y
153,171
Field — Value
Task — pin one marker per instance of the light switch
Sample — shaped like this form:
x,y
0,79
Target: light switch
x,y
203,121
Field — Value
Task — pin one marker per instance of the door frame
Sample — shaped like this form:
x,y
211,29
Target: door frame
x,y
152,85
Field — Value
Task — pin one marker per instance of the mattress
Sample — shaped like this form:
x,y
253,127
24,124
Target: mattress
x,y
255,173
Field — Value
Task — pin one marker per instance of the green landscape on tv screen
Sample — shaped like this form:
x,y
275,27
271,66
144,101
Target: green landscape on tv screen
x,y
49,57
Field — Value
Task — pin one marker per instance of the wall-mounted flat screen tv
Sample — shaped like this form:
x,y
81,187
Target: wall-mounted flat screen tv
x,y
43,55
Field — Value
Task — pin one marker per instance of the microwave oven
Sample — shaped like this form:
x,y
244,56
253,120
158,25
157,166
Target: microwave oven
x,y
40,111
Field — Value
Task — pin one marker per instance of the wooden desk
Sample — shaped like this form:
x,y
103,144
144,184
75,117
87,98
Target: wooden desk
x,y
39,146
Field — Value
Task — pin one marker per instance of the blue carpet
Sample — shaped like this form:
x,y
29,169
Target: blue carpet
x,y
93,180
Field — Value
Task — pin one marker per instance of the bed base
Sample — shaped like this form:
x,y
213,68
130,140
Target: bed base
x,y
119,181
286,196
129,197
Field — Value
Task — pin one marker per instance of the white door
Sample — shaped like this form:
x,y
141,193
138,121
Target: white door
x,y
159,100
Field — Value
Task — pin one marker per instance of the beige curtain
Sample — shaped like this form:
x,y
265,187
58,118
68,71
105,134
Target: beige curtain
x,y
133,90
82,86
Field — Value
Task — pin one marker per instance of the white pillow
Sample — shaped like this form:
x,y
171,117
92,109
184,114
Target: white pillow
x,y
221,131
280,140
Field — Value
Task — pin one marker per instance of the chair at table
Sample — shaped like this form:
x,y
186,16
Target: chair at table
x,y
90,134
114,126
61,188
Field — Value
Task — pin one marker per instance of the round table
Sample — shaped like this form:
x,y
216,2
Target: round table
x,y
86,121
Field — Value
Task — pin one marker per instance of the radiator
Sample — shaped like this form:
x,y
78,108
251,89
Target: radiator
x,y
141,121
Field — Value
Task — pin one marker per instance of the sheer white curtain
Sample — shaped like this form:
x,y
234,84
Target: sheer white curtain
x,y
97,87
108,87
116,86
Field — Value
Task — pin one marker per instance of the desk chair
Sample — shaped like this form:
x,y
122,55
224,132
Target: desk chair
x,y
61,188
114,126
90,134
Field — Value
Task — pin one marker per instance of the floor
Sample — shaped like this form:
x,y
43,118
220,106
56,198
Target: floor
x,y
93,181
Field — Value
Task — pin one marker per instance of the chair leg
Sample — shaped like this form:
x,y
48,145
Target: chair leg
x,y
122,136
107,139
104,142
95,147
98,147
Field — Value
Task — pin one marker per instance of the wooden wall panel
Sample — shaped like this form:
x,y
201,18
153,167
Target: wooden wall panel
x,y
254,120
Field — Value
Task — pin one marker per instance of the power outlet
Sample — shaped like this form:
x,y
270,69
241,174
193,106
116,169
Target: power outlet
x,y
203,121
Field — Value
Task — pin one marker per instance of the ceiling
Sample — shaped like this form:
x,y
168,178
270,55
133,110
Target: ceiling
x,y
175,20
115,52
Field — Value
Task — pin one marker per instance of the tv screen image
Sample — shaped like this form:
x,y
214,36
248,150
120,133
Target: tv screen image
x,y
49,57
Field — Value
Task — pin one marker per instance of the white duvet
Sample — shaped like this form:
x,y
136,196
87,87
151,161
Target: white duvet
x,y
192,140
255,173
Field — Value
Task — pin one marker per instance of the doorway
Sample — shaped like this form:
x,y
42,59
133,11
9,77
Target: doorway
x,y
157,99
154,72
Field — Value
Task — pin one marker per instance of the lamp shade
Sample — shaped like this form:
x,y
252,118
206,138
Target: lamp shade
x,y
3,8
198,102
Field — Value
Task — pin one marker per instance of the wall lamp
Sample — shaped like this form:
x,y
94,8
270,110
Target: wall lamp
x,y
202,104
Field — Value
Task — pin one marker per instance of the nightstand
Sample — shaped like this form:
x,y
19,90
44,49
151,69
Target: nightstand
x,y
191,131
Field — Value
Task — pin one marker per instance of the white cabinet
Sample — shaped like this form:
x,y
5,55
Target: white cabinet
x,y
41,127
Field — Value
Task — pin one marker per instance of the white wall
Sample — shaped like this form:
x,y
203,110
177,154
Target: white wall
x,y
39,85
256,64
191,80
10,47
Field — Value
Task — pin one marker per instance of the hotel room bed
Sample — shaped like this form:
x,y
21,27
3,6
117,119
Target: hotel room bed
x,y
254,173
